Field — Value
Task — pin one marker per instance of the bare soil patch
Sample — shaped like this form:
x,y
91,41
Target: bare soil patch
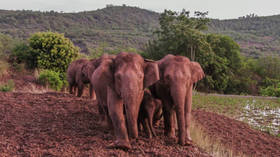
x,y
58,124
237,135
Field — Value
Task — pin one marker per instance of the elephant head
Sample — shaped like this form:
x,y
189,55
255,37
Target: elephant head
x,y
177,74
87,70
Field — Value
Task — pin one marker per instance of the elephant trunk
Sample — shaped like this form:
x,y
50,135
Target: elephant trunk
x,y
132,95
178,93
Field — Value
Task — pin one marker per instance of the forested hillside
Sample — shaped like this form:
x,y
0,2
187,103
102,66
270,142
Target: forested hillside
x,y
256,35
114,26
131,27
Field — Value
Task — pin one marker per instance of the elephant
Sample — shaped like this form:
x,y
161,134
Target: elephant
x,y
123,79
150,112
78,74
100,79
177,76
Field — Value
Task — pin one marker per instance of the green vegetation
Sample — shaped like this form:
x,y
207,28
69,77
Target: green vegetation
x,y
6,44
133,27
7,87
219,56
52,51
257,36
116,25
4,67
120,28
21,54
51,79
261,113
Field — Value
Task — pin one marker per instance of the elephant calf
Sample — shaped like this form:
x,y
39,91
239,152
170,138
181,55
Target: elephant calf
x,y
150,112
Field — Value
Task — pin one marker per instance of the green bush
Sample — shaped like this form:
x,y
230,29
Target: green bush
x,y
22,54
52,51
51,79
271,91
9,86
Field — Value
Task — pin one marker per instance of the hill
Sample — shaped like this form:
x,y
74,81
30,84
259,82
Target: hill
x,y
256,35
115,26
131,27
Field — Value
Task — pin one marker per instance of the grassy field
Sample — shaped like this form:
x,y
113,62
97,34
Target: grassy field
x,y
261,113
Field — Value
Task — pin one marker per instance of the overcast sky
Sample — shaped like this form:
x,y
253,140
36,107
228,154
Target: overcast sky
x,y
222,9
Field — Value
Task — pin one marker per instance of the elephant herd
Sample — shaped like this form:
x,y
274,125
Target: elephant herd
x,y
132,91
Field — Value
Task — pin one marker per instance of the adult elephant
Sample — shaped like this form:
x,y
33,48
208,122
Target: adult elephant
x,y
78,74
124,79
177,76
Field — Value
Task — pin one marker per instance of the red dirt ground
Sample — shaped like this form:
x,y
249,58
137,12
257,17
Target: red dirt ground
x,y
237,135
59,124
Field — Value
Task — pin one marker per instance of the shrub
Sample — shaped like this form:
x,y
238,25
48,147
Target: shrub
x,y
22,54
271,91
9,86
52,51
51,78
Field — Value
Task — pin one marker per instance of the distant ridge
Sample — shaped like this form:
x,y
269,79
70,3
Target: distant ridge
x,y
124,26
116,26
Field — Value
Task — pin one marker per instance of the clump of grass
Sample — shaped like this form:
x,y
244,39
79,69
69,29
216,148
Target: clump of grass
x,y
7,87
51,78
4,67
210,145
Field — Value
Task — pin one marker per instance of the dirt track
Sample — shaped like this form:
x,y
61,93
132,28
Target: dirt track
x,y
238,135
57,124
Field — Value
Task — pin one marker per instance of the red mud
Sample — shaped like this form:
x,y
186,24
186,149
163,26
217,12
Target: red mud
x,y
58,124
238,136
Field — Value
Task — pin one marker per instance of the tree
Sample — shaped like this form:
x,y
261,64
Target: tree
x,y
179,34
52,51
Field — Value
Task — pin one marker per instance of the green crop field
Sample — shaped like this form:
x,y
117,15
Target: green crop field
x,y
262,113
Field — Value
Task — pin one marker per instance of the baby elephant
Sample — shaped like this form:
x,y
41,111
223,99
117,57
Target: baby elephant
x,y
150,112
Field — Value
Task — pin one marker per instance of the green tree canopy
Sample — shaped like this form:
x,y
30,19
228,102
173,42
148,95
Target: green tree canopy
x,y
52,51
180,34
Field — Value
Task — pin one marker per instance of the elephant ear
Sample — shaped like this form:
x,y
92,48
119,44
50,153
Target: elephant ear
x,y
151,73
197,72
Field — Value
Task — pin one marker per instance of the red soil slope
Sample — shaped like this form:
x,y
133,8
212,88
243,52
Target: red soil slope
x,y
57,124
238,136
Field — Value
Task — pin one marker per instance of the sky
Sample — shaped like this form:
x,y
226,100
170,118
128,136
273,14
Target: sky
x,y
219,9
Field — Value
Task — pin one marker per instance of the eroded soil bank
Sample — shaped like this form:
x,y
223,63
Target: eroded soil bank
x,y
237,135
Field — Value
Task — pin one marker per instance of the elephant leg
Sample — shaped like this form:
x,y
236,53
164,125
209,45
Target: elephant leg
x,y
71,88
92,92
181,123
74,89
147,128
188,108
108,119
150,118
178,93
169,129
115,108
80,89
